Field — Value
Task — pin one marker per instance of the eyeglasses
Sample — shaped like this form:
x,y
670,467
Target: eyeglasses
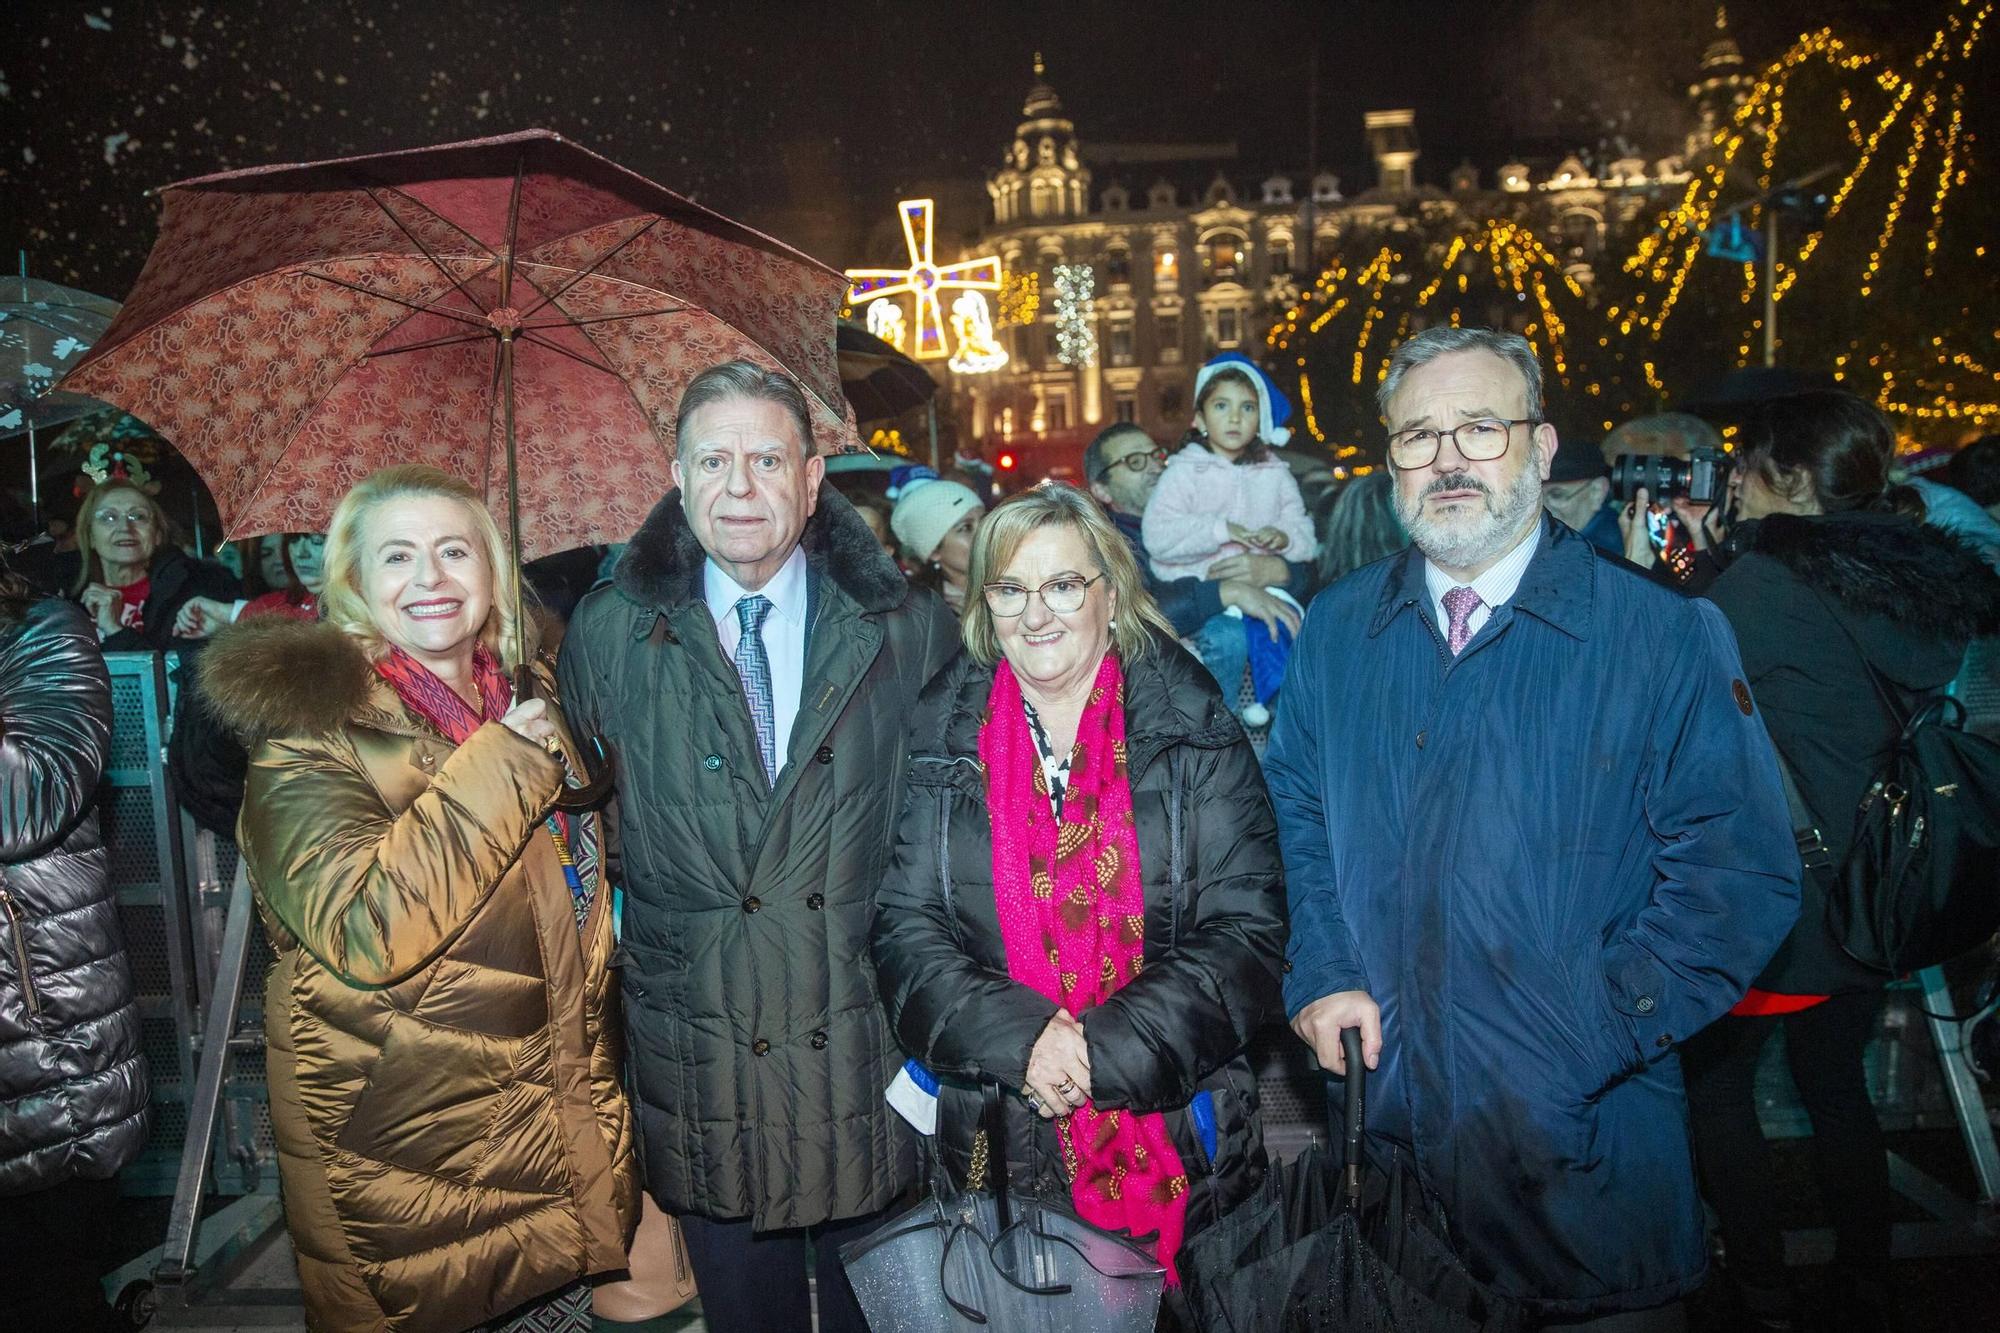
x,y
1062,595
1479,441
113,517
1136,461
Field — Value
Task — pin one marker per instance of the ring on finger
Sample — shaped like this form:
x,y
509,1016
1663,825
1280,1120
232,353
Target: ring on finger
x,y
1034,1102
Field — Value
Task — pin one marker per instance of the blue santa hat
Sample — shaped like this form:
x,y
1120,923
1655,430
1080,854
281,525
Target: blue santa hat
x,y
1273,408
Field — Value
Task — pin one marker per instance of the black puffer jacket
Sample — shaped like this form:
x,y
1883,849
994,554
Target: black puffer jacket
x,y
1801,592
72,1080
1215,939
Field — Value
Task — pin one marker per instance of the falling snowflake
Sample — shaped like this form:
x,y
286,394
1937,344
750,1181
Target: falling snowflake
x,y
101,24
112,143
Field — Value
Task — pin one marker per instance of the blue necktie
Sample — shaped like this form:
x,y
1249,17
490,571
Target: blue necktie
x,y
753,666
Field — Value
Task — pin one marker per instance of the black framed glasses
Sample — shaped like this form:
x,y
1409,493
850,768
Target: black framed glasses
x,y
1135,461
1062,595
1479,441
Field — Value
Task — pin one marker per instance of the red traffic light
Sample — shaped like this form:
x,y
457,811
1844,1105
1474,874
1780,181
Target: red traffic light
x,y
1006,462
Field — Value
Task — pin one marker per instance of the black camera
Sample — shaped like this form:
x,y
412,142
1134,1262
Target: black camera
x,y
1701,477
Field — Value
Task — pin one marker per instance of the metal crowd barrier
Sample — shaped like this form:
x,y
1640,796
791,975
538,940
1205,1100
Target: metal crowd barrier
x,y
172,885
196,970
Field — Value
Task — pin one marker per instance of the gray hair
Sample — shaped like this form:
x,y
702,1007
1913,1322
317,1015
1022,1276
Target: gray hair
x,y
1445,339
744,379
1363,526
1661,433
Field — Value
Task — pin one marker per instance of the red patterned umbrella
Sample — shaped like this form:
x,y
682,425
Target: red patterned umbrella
x,y
517,311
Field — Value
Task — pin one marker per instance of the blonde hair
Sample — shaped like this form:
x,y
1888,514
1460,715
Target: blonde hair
x,y
1058,504
341,601
91,567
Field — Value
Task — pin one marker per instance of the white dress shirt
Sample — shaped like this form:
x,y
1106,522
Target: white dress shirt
x,y
1494,587
784,634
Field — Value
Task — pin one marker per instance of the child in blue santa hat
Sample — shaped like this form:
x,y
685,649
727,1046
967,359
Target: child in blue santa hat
x,y
1225,493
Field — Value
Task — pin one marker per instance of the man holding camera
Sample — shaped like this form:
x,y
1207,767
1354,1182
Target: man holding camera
x,y
1523,859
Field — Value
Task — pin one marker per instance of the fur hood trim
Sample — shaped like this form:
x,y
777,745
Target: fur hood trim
x,y
663,564
1883,565
273,675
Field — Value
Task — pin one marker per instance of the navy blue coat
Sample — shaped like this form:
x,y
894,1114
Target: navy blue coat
x,y
1549,861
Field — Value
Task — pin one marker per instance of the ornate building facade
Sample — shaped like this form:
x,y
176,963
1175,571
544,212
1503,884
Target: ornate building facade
x,y
1178,270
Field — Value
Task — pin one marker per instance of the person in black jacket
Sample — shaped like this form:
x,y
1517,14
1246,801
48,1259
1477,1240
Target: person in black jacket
x,y
1105,969
72,1077
129,576
1836,575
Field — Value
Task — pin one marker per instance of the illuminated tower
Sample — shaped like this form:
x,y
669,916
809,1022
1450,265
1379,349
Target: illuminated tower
x,y
1723,85
1042,177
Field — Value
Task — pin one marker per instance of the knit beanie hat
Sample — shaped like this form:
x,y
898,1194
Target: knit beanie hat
x,y
1273,408
927,510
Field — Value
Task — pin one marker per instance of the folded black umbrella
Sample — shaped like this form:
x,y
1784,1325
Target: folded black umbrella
x,y
1348,1244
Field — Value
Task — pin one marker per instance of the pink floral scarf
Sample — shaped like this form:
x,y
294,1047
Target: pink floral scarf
x,y
1072,913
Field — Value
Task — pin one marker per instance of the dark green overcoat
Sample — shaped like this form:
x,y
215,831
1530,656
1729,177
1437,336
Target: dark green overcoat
x,y
758,1047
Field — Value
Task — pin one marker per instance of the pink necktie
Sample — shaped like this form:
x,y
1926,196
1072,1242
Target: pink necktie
x,y
1459,604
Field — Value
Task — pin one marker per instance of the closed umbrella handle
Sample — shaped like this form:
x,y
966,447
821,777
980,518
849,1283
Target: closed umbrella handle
x,y
598,776
1357,1076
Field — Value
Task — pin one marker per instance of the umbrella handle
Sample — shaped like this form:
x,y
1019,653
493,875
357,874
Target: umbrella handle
x,y
599,777
1357,1076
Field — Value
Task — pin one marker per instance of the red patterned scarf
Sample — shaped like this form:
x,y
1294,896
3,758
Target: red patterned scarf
x,y
423,693
1072,912
438,703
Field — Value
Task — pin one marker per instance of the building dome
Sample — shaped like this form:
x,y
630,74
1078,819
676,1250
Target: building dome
x,y
1042,100
1042,174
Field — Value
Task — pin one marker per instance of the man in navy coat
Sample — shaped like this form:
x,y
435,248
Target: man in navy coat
x,y
1534,838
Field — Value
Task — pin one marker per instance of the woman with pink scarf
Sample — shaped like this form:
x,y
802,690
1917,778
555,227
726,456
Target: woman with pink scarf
x,y
1086,905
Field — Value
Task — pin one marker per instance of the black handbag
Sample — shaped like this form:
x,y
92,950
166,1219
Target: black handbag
x,y
1917,884
978,1257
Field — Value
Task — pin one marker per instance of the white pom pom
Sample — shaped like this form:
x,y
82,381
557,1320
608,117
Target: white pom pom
x,y
1256,715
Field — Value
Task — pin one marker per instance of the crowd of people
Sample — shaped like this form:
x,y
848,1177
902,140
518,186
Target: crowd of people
x,y
943,815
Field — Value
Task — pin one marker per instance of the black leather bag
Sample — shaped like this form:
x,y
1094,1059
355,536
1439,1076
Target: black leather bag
x,y
1920,882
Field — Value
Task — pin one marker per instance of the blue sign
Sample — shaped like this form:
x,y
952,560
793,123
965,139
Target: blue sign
x,y
1729,239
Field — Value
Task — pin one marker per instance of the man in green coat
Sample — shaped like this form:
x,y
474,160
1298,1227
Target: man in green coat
x,y
753,667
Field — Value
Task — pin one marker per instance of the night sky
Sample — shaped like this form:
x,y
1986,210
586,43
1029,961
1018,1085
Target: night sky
x,y
809,120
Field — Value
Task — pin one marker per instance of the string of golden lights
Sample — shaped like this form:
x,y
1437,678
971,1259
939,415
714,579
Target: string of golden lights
x,y
1920,109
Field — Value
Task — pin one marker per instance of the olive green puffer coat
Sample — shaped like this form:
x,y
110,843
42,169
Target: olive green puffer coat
x,y
758,1046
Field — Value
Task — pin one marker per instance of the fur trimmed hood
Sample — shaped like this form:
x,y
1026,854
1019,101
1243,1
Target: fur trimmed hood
x,y
663,564
273,675
1911,573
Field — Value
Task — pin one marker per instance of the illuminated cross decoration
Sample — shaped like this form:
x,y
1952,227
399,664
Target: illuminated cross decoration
x,y
924,280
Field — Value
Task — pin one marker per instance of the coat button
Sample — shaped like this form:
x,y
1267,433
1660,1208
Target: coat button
x,y
1422,736
819,1041
816,902
1664,1040
1644,1004
824,754
713,763
760,1046
753,904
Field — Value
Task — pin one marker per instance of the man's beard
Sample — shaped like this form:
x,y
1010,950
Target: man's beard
x,y
1465,541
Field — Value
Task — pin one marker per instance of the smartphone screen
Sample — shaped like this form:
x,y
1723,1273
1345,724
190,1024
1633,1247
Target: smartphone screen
x,y
1670,539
